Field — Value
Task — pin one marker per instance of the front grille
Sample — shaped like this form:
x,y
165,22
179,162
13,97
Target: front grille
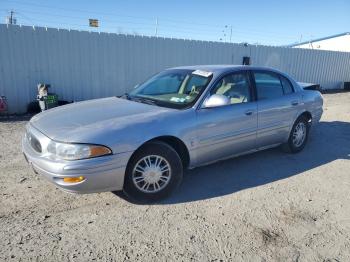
x,y
34,142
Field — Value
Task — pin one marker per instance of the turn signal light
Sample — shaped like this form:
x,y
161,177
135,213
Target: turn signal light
x,y
99,151
73,179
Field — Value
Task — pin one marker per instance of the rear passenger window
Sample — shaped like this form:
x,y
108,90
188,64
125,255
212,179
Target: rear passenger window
x,y
287,87
268,86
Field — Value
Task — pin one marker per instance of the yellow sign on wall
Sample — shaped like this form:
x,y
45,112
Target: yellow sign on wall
x,y
93,22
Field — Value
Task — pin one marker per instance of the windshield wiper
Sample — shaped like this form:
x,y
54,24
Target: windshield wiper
x,y
139,99
144,100
126,95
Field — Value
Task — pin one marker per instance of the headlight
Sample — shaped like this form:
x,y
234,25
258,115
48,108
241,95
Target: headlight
x,y
76,151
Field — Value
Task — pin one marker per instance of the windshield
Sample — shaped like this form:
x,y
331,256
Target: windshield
x,y
175,88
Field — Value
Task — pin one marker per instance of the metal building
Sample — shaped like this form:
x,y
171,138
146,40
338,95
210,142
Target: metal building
x,y
339,42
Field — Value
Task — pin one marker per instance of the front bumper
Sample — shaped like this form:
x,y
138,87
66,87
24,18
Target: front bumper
x,y
101,174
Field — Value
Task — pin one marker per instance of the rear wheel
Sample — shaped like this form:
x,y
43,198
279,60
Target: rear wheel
x,y
153,173
298,136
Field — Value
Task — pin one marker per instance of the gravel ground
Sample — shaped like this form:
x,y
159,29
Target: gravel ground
x,y
268,206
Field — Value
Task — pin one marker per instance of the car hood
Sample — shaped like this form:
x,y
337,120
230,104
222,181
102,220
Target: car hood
x,y
83,122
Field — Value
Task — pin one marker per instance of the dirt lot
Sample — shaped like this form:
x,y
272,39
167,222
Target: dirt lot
x,y
269,206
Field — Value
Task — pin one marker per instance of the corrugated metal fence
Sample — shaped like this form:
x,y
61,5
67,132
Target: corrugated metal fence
x,y
84,65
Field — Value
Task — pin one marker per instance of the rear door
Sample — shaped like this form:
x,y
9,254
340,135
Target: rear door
x,y
231,129
277,106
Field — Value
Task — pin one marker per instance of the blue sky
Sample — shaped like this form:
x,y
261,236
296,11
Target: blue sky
x,y
265,22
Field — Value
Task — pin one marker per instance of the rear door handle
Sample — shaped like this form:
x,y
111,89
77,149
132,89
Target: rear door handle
x,y
295,103
249,112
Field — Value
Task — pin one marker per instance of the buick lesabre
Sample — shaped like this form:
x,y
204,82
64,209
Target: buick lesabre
x,y
179,119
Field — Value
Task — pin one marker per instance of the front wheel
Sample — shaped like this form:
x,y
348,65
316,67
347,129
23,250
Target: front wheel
x,y
298,136
153,172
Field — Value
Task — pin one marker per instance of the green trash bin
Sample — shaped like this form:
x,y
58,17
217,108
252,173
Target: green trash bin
x,y
51,100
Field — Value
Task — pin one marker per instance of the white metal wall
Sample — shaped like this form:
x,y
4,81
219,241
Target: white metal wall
x,y
83,65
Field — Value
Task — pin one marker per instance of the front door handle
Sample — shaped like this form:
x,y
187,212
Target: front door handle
x,y
249,112
295,103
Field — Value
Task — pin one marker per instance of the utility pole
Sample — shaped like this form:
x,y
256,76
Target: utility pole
x,y
11,19
156,29
225,33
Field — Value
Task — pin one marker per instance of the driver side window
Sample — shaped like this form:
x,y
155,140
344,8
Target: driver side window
x,y
235,86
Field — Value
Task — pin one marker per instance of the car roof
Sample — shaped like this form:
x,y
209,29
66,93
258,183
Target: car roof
x,y
225,68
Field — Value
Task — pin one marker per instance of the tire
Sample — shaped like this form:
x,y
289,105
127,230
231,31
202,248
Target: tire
x,y
153,173
294,145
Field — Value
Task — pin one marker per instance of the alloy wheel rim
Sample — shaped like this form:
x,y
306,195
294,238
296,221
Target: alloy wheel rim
x,y
299,134
151,174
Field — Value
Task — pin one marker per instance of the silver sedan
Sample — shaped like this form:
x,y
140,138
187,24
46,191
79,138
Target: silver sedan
x,y
181,118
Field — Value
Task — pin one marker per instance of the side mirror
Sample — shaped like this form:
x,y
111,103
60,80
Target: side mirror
x,y
216,101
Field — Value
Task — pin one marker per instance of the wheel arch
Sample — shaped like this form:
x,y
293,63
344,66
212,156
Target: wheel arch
x,y
286,145
305,114
176,143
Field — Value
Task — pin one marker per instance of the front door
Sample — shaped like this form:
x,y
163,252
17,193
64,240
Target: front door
x,y
227,130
